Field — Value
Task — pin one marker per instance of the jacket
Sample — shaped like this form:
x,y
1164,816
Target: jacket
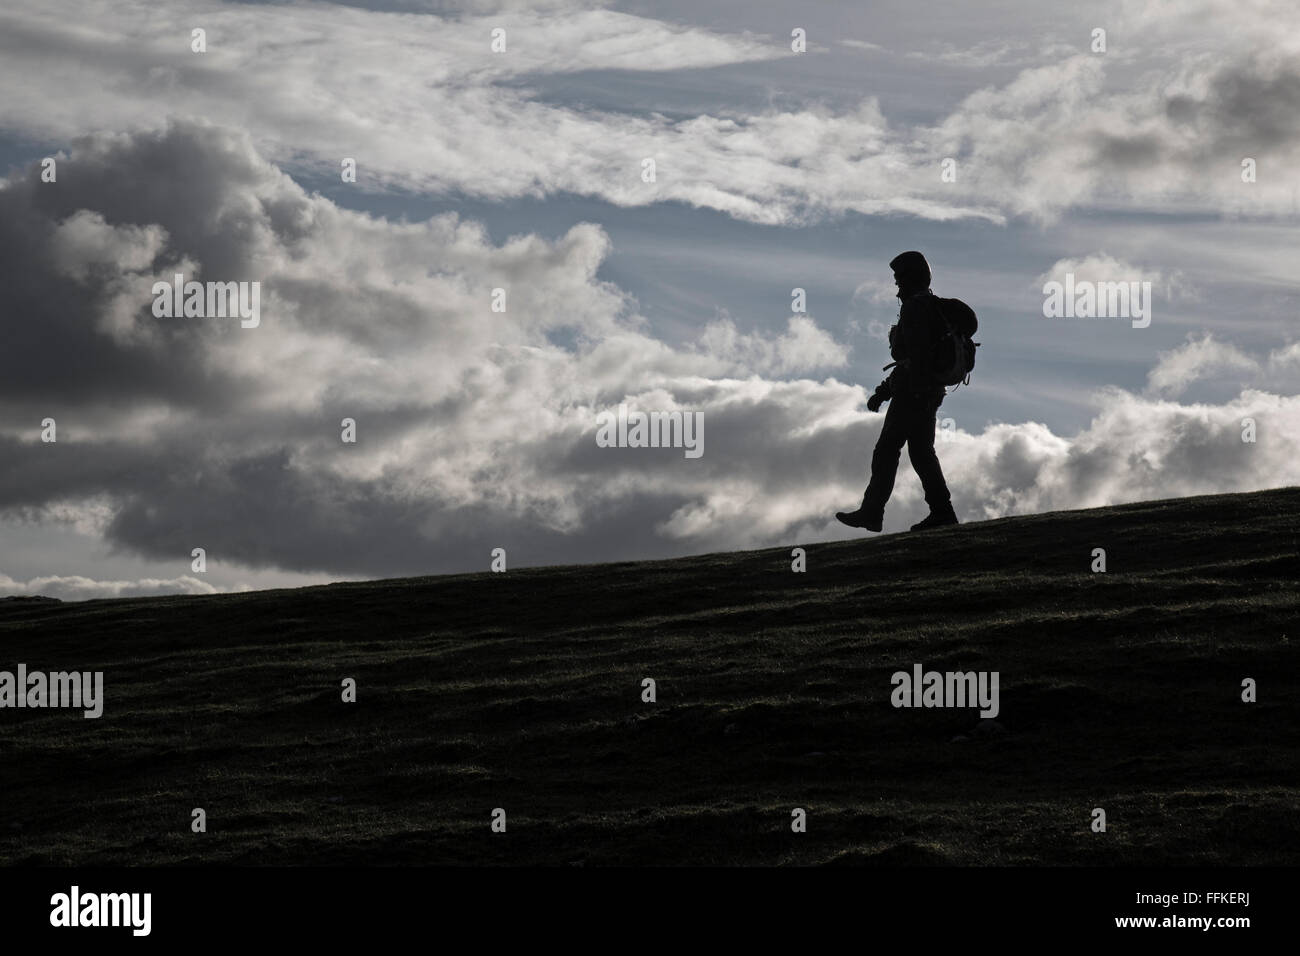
x,y
911,344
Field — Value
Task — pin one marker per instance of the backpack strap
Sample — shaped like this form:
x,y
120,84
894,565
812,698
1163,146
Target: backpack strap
x,y
945,318
952,330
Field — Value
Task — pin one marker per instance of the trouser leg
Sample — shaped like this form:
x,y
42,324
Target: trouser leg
x,y
920,449
884,460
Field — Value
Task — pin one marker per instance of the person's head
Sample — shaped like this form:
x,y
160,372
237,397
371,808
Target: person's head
x,y
911,273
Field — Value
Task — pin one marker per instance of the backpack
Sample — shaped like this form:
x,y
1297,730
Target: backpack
x,y
954,355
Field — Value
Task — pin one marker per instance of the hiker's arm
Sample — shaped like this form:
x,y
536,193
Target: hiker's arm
x,y
912,327
883,393
914,346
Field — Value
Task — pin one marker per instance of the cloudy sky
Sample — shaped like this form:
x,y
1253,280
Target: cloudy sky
x,y
522,169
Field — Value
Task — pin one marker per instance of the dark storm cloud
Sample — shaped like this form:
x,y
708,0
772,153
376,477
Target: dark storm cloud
x,y
203,434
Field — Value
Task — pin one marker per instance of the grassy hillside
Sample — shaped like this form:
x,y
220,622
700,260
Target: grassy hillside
x,y
523,691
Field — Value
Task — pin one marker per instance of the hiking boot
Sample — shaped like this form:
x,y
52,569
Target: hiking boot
x,y
862,518
937,519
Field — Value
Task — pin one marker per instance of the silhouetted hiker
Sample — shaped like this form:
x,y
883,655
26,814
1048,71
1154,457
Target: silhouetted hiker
x,y
916,396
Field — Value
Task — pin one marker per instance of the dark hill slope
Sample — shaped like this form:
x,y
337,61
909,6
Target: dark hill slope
x,y
522,690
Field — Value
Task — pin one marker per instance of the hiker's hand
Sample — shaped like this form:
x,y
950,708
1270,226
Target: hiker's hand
x,y
874,403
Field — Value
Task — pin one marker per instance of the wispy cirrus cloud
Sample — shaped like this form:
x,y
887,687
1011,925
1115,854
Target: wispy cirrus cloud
x,y
422,103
